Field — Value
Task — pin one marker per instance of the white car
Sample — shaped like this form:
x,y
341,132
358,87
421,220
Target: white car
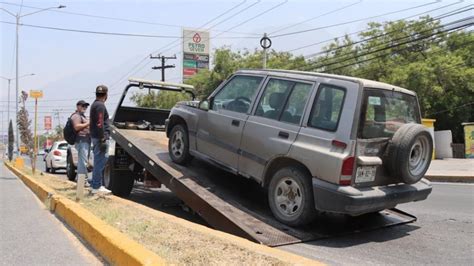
x,y
56,157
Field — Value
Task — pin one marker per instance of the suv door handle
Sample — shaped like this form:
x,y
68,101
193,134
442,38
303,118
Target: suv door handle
x,y
235,123
283,134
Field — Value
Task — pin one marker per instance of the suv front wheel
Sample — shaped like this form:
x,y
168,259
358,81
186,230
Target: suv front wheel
x,y
290,196
178,145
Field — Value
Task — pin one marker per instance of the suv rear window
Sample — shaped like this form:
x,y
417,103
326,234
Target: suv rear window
x,y
327,107
386,111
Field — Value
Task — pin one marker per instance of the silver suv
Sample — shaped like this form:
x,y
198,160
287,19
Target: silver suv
x,y
316,142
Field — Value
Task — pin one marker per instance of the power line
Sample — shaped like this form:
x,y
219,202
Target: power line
x,y
133,70
316,17
343,59
357,32
381,35
351,21
245,21
114,33
379,56
114,18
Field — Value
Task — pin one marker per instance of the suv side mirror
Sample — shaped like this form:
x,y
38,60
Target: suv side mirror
x,y
204,105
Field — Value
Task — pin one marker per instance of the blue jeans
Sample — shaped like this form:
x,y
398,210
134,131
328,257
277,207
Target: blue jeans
x,y
83,149
100,159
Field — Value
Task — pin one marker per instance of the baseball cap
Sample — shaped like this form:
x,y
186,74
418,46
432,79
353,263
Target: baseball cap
x,y
101,89
82,102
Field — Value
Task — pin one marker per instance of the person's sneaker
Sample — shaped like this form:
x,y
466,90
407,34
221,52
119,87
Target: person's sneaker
x,y
101,190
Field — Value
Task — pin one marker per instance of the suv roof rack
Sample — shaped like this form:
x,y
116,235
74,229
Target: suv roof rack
x,y
161,83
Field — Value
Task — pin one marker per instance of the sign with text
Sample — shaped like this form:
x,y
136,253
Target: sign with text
x,y
48,122
195,52
36,94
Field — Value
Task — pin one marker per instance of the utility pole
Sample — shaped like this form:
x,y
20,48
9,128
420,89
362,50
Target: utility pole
x,y
265,43
163,66
56,113
17,17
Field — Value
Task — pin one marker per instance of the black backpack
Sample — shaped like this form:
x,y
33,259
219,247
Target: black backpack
x,y
69,133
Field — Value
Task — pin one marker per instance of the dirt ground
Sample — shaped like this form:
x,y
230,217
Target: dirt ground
x,y
175,243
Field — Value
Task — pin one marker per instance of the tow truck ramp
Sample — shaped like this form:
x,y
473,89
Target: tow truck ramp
x,y
233,204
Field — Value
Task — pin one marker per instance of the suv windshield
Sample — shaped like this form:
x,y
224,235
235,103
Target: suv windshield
x,y
385,111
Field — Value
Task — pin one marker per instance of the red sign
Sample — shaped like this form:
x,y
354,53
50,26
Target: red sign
x,y
189,71
197,38
47,122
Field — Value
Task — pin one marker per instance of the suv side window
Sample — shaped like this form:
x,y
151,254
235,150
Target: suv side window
x,y
295,105
237,94
283,100
327,107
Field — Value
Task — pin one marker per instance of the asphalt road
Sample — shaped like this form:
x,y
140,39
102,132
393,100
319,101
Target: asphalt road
x,y
442,235
30,235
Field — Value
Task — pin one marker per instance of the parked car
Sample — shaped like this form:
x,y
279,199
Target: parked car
x,y
316,142
71,162
56,157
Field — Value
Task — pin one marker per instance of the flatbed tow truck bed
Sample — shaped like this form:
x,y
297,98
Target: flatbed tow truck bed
x,y
234,204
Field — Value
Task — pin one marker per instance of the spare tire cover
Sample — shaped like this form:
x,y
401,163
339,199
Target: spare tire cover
x,y
409,153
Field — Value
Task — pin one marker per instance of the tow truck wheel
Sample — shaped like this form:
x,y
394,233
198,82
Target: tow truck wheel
x,y
119,182
290,196
70,170
178,145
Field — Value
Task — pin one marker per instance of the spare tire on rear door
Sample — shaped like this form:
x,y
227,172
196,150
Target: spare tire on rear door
x,y
409,153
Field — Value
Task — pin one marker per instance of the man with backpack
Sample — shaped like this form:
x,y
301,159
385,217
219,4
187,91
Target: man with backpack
x,y
100,133
82,143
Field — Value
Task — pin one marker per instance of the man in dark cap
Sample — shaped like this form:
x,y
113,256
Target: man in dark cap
x,y
82,143
100,133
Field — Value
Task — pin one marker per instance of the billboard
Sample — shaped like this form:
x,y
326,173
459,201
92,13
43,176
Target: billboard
x,y
47,122
196,48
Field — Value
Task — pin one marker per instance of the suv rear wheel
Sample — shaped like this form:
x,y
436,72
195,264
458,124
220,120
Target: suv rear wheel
x,y
178,145
290,196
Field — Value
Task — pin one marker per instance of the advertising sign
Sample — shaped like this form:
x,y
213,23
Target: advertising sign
x,y
47,122
36,94
195,52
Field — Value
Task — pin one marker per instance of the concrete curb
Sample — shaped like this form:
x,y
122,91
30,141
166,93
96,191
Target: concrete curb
x,y
450,178
119,249
108,241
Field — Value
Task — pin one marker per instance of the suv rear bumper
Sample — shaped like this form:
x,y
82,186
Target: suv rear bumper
x,y
356,201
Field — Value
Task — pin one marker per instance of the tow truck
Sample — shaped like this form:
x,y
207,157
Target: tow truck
x,y
138,152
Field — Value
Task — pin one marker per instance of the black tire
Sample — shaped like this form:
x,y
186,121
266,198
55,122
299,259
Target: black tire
x,y
70,169
46,168
53,170
303,211
178,145
409,153
119,182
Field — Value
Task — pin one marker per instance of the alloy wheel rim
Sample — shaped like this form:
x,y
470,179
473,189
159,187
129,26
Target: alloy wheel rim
x,y
177,145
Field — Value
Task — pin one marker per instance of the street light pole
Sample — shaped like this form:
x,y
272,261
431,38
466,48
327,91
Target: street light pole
x,y
16,84
8,100
17,18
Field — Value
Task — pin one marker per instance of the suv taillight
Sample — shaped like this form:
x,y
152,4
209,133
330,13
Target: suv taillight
x,y
346,171
57,153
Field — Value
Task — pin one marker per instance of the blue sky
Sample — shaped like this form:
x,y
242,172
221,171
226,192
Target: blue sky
x,y
68,65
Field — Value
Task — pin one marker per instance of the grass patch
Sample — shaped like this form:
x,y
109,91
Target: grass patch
x,y
175,243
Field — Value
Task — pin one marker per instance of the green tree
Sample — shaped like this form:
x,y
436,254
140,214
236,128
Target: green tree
x,y
227,62
11,140
159,99
419,55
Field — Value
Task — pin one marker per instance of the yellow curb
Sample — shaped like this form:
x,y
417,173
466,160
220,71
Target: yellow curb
x,y
108,241
450,178
62,205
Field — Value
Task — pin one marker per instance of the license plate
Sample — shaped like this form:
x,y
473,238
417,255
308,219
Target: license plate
x,y
365,174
